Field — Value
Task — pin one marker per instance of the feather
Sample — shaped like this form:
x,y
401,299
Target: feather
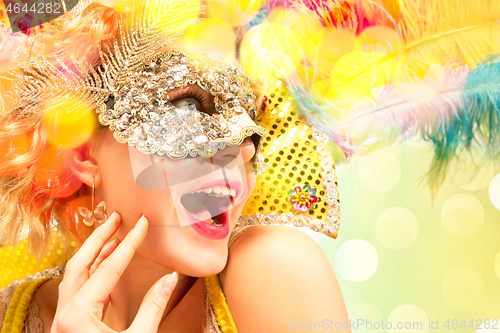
x,y
353,15
147,27
259,18
455,108
13,48
433,31
419,19
434,82
476,124
151,26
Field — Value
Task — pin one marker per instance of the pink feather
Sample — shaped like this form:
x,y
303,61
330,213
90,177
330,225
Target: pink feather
x,y
410,107
12,48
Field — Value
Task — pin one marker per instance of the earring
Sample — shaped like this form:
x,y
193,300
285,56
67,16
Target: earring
x,y
259,165
91,216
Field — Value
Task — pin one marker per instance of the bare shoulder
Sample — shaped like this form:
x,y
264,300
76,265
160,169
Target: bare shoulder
x,y
278,279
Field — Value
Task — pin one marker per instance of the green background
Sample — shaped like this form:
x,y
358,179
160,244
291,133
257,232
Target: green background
x,y
402,256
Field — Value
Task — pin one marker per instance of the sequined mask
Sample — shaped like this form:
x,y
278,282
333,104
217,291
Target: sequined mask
x,y
144,117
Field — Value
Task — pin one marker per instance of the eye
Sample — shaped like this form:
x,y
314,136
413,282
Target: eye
x,y
188,104
192,97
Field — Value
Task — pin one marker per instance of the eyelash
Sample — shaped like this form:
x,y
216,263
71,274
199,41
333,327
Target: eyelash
x,y
189,93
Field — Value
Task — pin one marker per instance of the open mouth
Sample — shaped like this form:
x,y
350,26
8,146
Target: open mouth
x,y
210,204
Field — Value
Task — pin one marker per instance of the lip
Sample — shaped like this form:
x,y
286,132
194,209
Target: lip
x,y
207,230
203,227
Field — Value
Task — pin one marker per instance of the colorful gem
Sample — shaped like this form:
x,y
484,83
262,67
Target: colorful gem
x,y
302,197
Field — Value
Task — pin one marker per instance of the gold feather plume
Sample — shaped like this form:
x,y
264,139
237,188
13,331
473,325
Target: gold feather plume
x,y
431,32
144,28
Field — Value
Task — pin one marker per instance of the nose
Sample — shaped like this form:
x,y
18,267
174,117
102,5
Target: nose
x,y
227,155
245,151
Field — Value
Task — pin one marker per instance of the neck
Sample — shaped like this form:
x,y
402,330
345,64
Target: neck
x,y
126,297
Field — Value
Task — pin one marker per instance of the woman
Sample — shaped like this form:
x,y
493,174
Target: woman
x,y
173,213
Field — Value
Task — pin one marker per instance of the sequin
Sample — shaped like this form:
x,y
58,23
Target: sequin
x,y
230,126
291,154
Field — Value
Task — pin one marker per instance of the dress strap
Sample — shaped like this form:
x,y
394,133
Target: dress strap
x,y
17,310
219,305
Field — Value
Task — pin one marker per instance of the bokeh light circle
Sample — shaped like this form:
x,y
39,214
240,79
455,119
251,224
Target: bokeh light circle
x,y
356,260
234,12
69,121
397,228
494,191
472,179
462,215
382,171
463,288
214,32
411,318
52,175
418,157
367,312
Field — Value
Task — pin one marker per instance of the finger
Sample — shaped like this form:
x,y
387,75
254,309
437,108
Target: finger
x,y
105,252
93,245
153,306
110,270
86,255
77,268
105,306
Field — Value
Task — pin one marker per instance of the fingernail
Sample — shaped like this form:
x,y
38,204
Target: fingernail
x,y
169,284
141,221
112,216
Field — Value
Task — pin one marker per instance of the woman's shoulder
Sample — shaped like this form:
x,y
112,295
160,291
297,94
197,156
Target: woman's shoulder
x,y
279,277
282,248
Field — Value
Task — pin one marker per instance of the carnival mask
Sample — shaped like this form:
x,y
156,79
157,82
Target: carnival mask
x,y
145,117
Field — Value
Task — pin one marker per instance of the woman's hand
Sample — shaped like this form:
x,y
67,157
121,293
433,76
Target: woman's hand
x,y
92,274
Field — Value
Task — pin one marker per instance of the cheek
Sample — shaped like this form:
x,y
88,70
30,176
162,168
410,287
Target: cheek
x,y
247,149
251,178
116,172
121,191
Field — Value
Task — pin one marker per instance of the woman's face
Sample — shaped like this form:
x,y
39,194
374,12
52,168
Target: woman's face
x,y
181,235
176,238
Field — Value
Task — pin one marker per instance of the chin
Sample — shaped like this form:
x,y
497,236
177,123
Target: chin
x,y
207,265
185,251
198,248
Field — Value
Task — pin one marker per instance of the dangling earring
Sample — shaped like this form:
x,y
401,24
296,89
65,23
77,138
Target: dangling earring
x,y
259,166
91,216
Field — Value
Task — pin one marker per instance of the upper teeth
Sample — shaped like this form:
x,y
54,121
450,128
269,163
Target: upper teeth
x,y
219,191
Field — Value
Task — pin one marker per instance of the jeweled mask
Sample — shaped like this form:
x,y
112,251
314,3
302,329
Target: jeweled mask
x,y
144,116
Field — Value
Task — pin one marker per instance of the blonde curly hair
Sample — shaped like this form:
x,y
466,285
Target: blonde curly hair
x,y
33,201
29,206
